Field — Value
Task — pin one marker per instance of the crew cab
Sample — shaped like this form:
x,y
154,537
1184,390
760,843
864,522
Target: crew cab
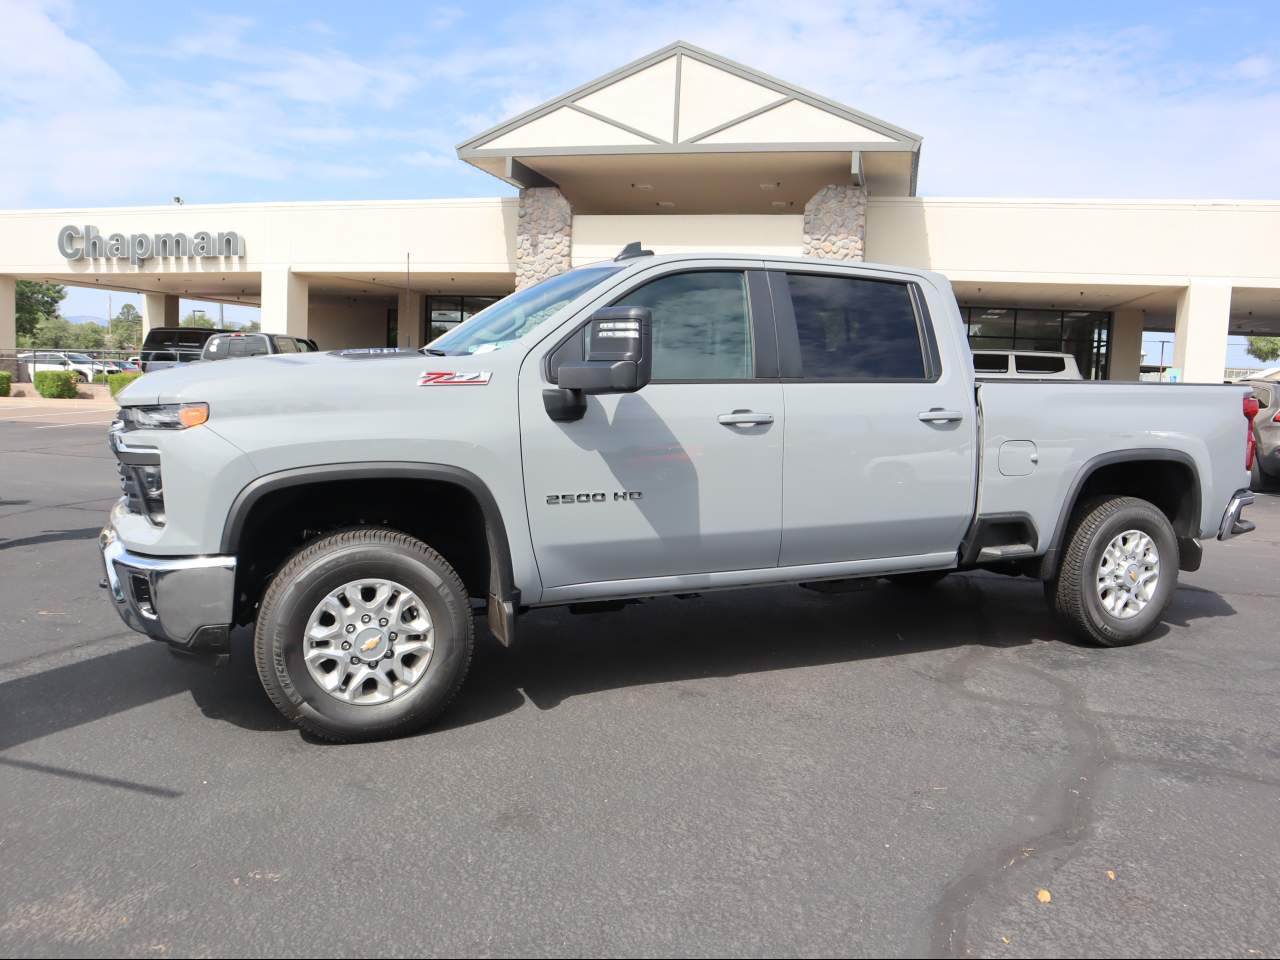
x,y
646,426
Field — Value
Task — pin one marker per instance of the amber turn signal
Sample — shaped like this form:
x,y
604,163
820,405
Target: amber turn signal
x,y
193,414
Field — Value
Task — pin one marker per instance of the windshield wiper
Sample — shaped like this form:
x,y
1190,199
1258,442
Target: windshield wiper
x,y
434,352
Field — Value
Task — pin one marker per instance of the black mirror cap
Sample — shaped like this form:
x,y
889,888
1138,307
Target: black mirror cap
x,y
600,376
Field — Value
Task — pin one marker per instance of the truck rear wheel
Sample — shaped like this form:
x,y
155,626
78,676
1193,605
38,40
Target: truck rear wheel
x,y
1119,570
364,634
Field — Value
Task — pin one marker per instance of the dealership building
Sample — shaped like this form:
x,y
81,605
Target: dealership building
x,y
684,150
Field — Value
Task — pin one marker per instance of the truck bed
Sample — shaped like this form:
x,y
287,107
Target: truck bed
x,y
1039,438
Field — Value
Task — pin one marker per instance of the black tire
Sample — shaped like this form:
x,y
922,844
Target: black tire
x,y
921,580
1259,482
328,563
1073,593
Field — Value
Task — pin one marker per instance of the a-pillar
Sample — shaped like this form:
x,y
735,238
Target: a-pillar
x,y
410,317
284,303
1200,331
1125,345
8,324
158,310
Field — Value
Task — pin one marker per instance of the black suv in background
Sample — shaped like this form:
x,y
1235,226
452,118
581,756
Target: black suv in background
x,y
226,346
170,346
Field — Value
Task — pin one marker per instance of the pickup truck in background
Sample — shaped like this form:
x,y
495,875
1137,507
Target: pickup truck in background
x,y
651,425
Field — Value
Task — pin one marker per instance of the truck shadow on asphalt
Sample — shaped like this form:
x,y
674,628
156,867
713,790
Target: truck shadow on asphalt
x,y
559,655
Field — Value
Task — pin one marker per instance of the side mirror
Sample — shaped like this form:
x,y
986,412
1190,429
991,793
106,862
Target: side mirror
x,y
619,358
618,353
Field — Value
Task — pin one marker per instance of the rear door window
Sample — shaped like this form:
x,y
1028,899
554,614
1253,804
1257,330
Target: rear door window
x,y
285,345
854,328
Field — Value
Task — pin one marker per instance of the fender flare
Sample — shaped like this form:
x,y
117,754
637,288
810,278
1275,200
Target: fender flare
x,y
1050,560
502,586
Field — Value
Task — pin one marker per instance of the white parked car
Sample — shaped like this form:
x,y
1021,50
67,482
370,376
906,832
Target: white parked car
x,y
83,365
1024,365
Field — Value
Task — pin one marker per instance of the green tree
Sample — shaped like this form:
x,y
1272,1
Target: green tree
x,y
194,319
1265,349
126,328
35,301
53,331
253,326
88,336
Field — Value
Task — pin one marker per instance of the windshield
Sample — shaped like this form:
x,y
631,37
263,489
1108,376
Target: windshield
x,y
79,358
514,316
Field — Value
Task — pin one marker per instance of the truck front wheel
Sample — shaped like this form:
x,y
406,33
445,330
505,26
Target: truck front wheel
x,y
364,634
1119,570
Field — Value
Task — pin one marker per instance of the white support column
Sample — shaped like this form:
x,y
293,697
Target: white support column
x,y
410,313
8,314
159,310
1125,345
8,324
1200,331
284,302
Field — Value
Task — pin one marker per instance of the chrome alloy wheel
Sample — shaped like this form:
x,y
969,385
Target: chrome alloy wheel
x,y
1128,573
369,641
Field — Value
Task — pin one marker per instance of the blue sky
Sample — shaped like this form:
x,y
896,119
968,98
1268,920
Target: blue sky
x,y
123,103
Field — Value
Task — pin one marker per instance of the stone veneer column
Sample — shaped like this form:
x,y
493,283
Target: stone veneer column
x,y
544,235
835,223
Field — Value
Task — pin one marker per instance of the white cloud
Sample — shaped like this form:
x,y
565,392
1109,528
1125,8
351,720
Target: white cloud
x,y
1064,111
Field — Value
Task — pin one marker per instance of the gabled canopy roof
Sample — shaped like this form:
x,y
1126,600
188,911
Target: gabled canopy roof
x,y
682,101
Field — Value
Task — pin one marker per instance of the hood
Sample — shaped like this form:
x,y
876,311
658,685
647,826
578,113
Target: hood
x,y
312,379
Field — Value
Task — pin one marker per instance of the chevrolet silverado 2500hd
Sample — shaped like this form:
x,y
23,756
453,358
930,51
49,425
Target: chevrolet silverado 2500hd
x,y
651,425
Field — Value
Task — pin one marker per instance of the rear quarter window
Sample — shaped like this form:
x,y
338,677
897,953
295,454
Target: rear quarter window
x,y
990,363
1031,363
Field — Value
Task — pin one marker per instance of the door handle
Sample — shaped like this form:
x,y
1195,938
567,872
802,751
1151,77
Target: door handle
x,y
938,415
744,418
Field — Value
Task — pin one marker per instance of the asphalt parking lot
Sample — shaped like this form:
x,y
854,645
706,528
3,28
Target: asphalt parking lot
x,y
763,773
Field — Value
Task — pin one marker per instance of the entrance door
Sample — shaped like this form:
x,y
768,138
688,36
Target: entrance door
x,y
683,476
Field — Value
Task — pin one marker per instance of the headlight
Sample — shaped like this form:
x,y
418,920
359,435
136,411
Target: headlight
x,y
165,416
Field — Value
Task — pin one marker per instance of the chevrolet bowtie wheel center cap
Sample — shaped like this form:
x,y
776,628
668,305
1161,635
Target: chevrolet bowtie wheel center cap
x,y
368,641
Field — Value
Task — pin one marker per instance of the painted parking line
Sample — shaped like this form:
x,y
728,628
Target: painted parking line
x,y
45,415
78,423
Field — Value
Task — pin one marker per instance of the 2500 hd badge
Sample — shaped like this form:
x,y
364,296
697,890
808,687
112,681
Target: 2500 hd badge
x,y
564,499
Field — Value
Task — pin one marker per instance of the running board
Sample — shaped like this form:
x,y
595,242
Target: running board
x,y
1011,551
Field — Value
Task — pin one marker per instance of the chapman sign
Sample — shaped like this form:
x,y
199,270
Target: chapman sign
x,y
75,243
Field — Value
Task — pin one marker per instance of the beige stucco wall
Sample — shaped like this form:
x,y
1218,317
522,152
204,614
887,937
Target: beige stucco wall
x,y
476,235
1112,241
339,322
601,237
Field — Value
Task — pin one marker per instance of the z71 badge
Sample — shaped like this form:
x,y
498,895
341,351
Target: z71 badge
x,y
449,378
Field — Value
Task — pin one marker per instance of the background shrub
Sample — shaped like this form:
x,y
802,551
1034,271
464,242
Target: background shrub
x,y
118,381
5,378
99,378
56,384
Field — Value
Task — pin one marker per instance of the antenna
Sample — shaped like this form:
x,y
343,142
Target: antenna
x,y
631,251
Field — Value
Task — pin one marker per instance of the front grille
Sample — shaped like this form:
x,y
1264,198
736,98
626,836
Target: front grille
x,y
131,487
140,482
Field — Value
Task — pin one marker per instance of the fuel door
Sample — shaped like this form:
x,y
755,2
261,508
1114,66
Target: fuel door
x,y
1018,458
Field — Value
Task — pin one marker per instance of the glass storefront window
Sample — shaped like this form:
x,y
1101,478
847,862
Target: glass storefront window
x,y
1082,333
1036,329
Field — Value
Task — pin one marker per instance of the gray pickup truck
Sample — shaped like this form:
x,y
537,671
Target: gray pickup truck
x,y
646,426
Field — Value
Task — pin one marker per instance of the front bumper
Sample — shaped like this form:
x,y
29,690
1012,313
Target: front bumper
x,y
185,601
1233,524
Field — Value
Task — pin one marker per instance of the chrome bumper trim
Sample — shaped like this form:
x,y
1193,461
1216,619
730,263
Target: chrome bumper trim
x,y
168,598
1232,525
